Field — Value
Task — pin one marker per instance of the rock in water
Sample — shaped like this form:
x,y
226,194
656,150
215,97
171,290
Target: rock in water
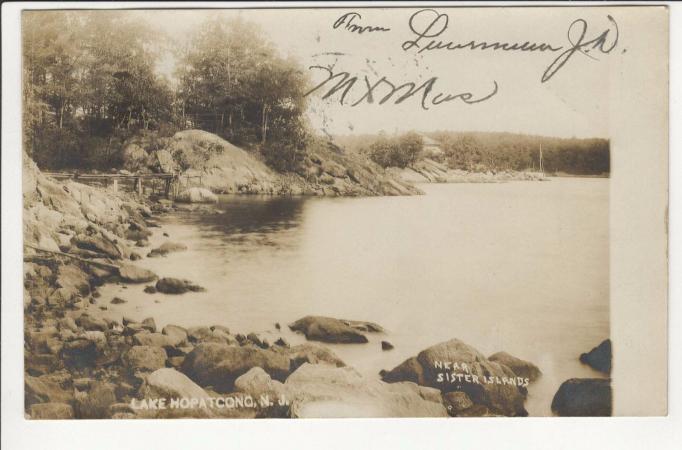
x,y
312,354
150,289
327,329
496,386
176,286
599,358
521,368
166,248
134,274
219,365
196,195
320,390
583,397
385,345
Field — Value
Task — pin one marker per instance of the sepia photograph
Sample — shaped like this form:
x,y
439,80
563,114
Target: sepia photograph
x,y
324,212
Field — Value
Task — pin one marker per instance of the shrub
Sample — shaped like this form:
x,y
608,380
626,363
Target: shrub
x,y
400,151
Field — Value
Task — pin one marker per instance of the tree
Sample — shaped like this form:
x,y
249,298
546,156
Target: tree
x,y
88,80
233,83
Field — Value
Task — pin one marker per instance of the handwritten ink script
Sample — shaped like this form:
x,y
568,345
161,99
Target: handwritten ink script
x,y
577,36
429,29
348,22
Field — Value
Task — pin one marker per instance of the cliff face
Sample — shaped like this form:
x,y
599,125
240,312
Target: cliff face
x,y
206,159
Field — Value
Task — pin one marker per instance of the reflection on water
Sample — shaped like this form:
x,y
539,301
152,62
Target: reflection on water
x,y
519,267
246,220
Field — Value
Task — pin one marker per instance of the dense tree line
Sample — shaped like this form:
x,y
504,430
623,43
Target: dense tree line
x,y
480,152
90,84
507,151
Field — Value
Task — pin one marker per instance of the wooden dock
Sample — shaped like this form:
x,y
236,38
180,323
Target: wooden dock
x,y
169,182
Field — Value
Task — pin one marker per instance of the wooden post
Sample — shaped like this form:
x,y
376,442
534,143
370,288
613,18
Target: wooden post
x,y
115,185
138,185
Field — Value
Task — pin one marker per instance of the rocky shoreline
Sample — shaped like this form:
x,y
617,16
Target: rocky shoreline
x,y
81,364
430,171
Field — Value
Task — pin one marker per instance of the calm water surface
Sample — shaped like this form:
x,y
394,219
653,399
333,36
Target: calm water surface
x,y
520,267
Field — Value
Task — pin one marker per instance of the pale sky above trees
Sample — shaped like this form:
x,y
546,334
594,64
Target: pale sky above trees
x,y
573,103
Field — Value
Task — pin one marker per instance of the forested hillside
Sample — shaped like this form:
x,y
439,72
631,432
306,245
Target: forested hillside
x,y
480,152
507,151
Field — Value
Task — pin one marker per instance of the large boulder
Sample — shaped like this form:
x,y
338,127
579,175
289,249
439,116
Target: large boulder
x,y
196,195
169,383
162,161
47,389
176,334
321,390
145,358
599,358
256,382
134,274
88,322
583,397
98,244
152,339
94,404
134,157
523,369
456,366
327,329
74,279
219,365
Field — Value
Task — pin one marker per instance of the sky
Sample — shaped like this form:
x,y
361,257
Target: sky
x,y
573,103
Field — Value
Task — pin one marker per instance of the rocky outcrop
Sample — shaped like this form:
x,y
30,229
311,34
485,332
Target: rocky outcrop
x,y
456,366
427,170
583,397
319,390
196,195
599,358
327,329
224,168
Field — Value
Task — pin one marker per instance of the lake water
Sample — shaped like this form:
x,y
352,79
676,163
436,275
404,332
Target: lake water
x,y
521,267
